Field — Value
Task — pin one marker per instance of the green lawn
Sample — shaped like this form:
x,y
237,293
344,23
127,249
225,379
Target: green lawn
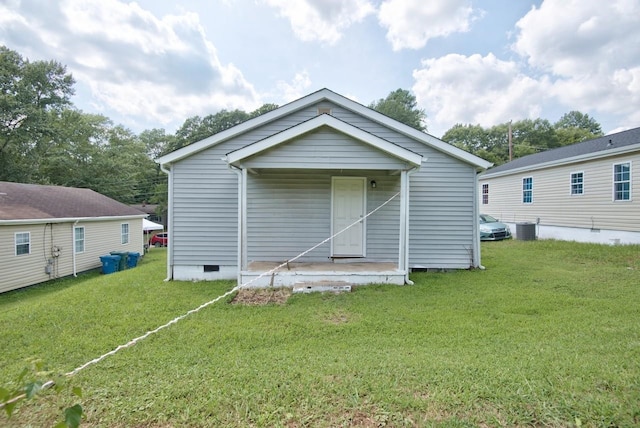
x,y
547,335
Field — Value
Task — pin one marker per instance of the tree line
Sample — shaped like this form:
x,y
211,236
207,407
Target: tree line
x,y
527,136
45,139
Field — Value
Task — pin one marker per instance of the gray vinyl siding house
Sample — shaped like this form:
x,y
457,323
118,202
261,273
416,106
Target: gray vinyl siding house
x,y
49,232
585,192
276,186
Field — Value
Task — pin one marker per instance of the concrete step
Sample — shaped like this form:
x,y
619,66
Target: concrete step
x,y
321,286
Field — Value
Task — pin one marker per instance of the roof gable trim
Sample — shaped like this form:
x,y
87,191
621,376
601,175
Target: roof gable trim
x,y
315,123
318,96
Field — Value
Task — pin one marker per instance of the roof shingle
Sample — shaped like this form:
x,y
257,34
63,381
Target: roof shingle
x,y
33,201
601,144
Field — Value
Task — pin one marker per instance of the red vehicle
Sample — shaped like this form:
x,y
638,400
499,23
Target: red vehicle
x,y
159,240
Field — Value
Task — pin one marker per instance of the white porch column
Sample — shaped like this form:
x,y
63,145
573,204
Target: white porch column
x,y
242,221
403,253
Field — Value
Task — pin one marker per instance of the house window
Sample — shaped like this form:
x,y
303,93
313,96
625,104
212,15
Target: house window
x,y
124,233
485,194
527,190
577,183
78,237
622,182
23,243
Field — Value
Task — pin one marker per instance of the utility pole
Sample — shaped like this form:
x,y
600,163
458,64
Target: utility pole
x,y
510,144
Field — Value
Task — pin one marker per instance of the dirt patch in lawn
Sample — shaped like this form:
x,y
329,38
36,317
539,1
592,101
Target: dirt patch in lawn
x,y
262,296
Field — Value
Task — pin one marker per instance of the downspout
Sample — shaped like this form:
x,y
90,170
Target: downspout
x,y
476,224
169,223
404,219
241,218
73,247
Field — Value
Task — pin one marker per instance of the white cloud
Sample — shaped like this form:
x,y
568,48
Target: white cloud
x,y
134,63
574,37
477,90
322,20
412,23
296,89
590,52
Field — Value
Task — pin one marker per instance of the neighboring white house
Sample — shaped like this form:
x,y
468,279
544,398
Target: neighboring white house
x,y
584,192
49,232
270,188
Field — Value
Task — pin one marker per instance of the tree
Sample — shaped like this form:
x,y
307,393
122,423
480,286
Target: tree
x,y
401,105
32,98
198,128
574,127
265,108
576,119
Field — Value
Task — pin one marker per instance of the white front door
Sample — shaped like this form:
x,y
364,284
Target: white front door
x,y
348,206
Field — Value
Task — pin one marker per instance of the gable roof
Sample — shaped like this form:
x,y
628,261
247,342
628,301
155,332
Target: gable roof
x,y
38,203
608,145
313,98
324,120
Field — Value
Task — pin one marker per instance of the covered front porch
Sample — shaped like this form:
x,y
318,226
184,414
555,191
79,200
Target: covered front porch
x,y
321,275
315,207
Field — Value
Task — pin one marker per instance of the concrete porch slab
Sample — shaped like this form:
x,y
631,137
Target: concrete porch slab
x,y
301,274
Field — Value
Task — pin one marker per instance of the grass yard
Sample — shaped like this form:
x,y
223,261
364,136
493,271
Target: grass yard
x,y
547,335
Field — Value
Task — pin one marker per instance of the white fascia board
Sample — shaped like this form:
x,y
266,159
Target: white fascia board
x,y
566,161
333,123
68,220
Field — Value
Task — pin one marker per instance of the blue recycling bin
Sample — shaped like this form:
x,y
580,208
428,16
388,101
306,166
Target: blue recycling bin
x,y
122,265
109,263
132,260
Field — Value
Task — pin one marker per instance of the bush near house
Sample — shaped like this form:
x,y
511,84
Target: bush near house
x,y
548,334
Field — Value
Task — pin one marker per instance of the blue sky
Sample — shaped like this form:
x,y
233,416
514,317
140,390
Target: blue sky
x,y
154,63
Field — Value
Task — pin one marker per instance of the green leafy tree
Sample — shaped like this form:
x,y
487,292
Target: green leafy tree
x,y
576,119
574,127
402,106
198,128
32,97
528,136
265,108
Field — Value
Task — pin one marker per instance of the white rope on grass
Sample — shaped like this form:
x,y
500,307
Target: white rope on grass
x,y
132,342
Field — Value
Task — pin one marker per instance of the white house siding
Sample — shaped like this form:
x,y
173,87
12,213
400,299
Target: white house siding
x,y
28,269
553,205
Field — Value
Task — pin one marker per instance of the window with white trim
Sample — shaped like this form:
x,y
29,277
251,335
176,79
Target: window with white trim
x,y
124,233
485,194
577,183
23,243
527,190
622,181
78,237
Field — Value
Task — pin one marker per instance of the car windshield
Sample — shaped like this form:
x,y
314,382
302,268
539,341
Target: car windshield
x,y
487,219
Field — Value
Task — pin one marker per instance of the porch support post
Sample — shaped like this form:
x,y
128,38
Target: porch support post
x,y
476,257
403,253
242,218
